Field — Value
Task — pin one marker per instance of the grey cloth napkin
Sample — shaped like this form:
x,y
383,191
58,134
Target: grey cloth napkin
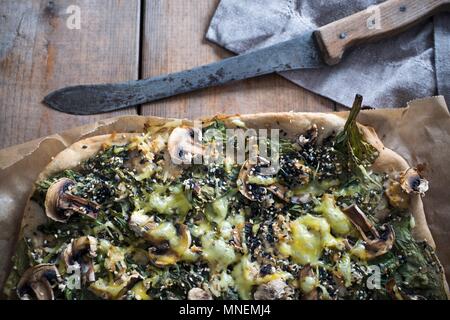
x,y
387,73
442,53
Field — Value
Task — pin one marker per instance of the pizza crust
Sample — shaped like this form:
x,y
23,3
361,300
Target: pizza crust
x,y
291,125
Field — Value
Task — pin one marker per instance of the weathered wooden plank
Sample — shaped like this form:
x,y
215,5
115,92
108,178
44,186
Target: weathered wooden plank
x,y
39,53
174,41
340,107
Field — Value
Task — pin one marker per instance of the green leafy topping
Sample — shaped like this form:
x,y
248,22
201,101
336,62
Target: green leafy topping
x,y
420,271
351,141
160,235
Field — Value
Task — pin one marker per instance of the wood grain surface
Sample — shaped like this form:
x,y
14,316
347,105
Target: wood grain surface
x,y
119,40
39,53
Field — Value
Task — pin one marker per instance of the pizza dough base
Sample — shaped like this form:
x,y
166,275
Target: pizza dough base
x,y
291,125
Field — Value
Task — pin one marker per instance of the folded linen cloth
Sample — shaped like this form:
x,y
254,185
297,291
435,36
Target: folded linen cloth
x,y
388,73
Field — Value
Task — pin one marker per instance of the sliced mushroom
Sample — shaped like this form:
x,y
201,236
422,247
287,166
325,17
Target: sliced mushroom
x,y
412,182
164,251
310,137
141,223
60,205
273,290
79,253
184,144
37,282
163,254
278,190
307,283
160,253
199,294
381,243
259,194
114,290
340,285
236,239
360,220
398,191
242,181
137,161
396,293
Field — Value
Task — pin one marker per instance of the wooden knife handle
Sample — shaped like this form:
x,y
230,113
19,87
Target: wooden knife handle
x,y
383,20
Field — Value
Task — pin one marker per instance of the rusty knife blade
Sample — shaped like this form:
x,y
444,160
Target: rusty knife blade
x,y
298,53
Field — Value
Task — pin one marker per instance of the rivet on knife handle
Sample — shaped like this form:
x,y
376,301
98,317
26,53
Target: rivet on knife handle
x,y
384,20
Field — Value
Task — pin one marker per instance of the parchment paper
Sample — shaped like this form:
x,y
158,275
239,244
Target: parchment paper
x,y
420,133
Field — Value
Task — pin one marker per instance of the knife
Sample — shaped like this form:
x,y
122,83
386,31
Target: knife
x,y
313,49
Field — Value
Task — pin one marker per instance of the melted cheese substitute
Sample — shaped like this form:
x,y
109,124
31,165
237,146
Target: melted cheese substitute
x,y
224,235
309,236
337,220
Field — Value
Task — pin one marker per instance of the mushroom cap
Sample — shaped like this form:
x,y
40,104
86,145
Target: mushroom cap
x,y
360,220
273,290
199,294
60,205
52,198
163,254
37,281
81,251
160,253
184,144
396,293
310,136
243,185
412,182
242,180
86,245
304,273
382,243
117,289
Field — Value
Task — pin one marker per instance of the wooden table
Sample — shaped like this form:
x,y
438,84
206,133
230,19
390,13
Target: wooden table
x,y
119,40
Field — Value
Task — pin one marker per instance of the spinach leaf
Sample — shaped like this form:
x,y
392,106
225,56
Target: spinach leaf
x,y
420,271
351,142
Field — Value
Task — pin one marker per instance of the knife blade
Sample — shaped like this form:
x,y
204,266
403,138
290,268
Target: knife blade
x,y
309,50
89,99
